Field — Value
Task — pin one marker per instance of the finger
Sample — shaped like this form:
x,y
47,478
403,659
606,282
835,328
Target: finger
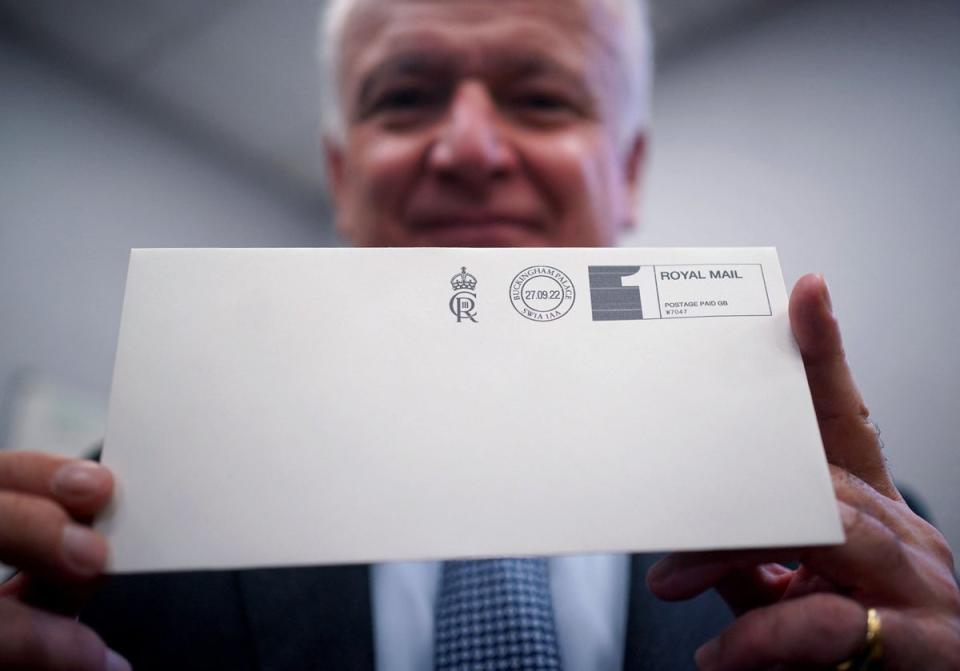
x,y
32,639
919,642
749,588
82,487
816,630
37,535
849,438
13,586
683,575
806,582
872,561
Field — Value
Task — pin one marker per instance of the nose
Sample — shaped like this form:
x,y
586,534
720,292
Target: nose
x,y
469,148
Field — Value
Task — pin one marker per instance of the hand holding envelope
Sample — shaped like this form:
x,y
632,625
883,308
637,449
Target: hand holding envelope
x,y
46,502
892,561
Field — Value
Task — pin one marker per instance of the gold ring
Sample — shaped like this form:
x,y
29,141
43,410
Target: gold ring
x,y
872,649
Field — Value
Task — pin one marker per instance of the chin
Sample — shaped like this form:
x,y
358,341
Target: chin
x,y
487,235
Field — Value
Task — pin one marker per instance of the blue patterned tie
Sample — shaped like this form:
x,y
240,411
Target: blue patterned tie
x,y
495,615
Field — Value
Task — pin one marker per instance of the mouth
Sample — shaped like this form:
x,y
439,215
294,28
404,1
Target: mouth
x,y
478,231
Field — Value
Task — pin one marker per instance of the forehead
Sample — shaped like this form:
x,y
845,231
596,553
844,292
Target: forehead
x,y
574,34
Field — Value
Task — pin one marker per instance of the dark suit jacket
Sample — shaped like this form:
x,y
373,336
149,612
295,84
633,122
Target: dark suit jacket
x,y
319,618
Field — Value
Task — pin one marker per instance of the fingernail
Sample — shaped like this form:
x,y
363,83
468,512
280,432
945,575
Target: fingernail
x,y
706,655
78,480
83,549
826,294
115,662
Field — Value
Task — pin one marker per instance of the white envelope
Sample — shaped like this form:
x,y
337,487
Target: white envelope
x,y
321,406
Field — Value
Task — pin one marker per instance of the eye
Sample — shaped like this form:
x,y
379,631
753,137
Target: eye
x,y
543,106
541,101
401,98
402,105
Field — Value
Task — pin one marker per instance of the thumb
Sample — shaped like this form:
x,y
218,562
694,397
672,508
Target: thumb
x,y
850,439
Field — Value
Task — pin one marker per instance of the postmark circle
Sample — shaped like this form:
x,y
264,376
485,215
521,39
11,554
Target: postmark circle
x,y
542,293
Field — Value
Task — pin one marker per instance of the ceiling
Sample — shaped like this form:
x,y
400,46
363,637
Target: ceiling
x,y
238,76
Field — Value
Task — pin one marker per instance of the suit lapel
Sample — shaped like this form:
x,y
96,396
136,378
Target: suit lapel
x,y
320,614
664,635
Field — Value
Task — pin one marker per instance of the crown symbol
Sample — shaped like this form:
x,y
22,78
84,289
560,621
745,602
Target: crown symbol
x,y
463,280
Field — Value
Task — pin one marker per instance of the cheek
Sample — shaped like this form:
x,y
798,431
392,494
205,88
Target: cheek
x,y
581,174
379,175
377,165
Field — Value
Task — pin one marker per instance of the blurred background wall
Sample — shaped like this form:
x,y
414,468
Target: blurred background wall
x,y
829,129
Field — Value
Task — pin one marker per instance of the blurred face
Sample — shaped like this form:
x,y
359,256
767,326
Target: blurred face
x,y
482,124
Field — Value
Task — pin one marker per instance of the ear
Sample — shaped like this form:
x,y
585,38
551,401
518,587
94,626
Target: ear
x,y
633,164
333,160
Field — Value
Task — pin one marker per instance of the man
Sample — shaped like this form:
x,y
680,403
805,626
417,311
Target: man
x,y
518,122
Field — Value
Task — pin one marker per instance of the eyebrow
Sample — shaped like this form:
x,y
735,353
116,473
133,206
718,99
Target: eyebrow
x,y
519,65
404,64
530,64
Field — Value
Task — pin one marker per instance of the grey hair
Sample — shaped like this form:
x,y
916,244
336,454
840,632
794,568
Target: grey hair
x,y
637,47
